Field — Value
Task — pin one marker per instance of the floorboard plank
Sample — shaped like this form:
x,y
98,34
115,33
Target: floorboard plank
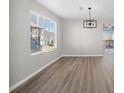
x,y
73,75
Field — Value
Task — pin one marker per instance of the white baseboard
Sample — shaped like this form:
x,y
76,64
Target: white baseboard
x,y
30,76
81,55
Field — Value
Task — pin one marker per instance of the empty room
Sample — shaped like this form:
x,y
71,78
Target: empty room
x,y
61,46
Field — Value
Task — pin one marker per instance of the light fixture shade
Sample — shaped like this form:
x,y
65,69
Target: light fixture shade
x,y
90,23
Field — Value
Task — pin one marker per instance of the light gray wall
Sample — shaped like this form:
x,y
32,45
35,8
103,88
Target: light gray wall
x,y
22,64
72,39
80,41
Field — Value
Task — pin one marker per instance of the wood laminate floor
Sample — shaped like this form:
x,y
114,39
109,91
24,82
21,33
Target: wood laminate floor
x,y
73,75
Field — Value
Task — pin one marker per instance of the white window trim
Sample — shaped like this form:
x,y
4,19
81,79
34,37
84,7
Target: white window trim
x,y
36,53
41,52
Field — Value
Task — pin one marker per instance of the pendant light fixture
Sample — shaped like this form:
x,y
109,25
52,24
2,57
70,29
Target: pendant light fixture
x,y
89,23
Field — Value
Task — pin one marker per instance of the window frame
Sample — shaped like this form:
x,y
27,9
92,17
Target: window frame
x,y
55,32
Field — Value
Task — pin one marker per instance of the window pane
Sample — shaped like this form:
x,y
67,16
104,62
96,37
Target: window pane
x,y
51,34
41,22
49,26
35,39
46,24
107,35
33,19
52,27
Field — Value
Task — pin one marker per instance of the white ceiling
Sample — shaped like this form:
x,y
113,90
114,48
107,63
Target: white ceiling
x,y
69,9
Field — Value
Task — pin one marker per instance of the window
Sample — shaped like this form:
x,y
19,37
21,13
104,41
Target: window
x,y
43,33
108,32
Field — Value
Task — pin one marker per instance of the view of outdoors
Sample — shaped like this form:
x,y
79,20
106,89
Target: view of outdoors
x,y
108,36
43,33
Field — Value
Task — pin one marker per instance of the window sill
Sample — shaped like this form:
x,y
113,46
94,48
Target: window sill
x,y
44,51
36,53
49,50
